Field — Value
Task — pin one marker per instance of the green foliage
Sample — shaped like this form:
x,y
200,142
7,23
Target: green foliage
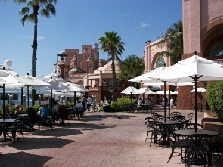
x,y
131,67
174,40
36,108
117,105
113,45
214,95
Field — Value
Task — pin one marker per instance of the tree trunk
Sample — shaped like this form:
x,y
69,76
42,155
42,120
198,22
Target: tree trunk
x,y
34,46
114,93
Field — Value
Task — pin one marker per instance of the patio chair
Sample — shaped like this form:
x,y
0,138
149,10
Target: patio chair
x,y
156,116
149,127
190,117
175,113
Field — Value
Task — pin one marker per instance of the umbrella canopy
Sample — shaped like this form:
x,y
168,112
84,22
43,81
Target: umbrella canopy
x,y
167,92
146,91
57,86
191,69
199,90
144,78
130,90
72,87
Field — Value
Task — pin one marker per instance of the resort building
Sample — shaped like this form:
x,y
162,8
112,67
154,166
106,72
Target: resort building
x,y
202,32
88,70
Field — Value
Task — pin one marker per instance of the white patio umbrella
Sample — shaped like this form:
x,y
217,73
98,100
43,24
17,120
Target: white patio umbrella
x,y
199,90
72,87
192,69
130,90
167,92
146,91
57,86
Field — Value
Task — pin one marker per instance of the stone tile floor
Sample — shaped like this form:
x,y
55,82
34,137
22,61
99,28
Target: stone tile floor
x,y
100,140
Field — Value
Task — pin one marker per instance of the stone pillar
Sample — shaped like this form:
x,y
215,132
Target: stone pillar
x,y
191,27
146,58
149,67
100,79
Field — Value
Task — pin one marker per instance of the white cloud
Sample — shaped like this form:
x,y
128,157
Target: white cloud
x,y
143,24
40,38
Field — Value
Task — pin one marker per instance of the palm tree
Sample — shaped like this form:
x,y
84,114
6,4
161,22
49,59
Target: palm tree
x,y
131,67
112,44
174,40
30,13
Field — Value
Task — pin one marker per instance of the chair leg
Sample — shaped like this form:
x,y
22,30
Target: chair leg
x,y
171,154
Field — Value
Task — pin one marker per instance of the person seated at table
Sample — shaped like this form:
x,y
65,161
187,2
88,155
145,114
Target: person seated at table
x,y
55,115
7,112
79,105
44,113
62,113
17,110
80,109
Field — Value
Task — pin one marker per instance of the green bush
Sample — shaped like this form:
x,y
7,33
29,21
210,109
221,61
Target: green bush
x,y
117,105
214,95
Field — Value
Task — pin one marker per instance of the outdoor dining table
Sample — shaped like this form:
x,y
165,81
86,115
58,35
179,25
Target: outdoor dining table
x,y
22,115
6,123
166,126
191,132
199,133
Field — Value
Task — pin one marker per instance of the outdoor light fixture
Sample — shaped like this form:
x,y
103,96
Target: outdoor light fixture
x,y
62,54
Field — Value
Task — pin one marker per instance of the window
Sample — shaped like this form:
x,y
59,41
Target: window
x,y
160,62
217,49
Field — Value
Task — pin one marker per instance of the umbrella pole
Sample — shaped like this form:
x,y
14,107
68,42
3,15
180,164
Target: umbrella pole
x,y
21,96
28,95
195,84
131,97
75,98
51,95
164,101
4,101
169,100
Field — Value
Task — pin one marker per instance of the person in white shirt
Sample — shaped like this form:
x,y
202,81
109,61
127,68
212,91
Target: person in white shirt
x,y
79,105
171,102
89,101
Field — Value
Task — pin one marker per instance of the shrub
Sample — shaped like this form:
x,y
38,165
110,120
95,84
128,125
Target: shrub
x,y
117,105
214,95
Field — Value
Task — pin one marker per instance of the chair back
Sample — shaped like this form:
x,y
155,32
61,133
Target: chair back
x,y
175,113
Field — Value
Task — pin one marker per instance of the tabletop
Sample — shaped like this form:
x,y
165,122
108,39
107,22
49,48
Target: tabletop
x,y
7,120
191,132
22,115
169,122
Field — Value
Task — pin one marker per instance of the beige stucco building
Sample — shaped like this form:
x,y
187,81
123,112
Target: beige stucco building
x,y
86,69
202,32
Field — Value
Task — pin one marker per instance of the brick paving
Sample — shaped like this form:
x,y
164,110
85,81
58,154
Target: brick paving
x,y
100,140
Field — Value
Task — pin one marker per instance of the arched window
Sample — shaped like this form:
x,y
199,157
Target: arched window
x,y
217,49
160,62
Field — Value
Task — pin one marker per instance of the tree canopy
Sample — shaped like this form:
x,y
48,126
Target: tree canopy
x,y
113,45
131,67
174,40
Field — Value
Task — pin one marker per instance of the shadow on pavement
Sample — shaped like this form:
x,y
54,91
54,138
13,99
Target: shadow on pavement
x,y
22,159
38,143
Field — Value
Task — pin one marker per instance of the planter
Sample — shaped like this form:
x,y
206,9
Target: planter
x,y
106,108
208,113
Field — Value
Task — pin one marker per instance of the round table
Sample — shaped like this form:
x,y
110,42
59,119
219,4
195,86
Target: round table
x,y
191,132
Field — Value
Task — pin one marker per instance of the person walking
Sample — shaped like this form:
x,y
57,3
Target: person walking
x,y
84,102
89,101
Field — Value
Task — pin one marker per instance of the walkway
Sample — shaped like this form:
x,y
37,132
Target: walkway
x,y
101,140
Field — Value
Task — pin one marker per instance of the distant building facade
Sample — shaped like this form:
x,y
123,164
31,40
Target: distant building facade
x,y
88,70
202,32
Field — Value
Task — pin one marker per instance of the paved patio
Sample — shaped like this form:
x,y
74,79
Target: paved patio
x,y
99,140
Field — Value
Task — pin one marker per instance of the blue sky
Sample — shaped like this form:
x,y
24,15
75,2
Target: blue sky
x,y
80,22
